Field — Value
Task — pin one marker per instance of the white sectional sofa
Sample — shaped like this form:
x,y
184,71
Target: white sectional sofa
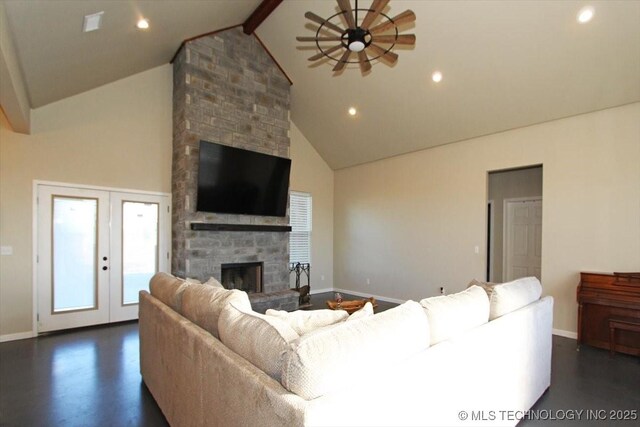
x,y
208,360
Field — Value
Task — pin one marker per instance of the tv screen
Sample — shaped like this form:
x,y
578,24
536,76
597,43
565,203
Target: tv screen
x,y
232,180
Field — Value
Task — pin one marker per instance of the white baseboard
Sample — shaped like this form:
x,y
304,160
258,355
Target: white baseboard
x,y
566,334
18,336
366,295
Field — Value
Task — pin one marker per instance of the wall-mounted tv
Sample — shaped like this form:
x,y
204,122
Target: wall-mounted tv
x,y
232,180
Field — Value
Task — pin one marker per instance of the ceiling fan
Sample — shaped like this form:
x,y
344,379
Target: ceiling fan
x,y
367,42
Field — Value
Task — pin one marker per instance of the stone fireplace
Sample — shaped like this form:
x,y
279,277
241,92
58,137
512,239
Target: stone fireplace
x,y
228,90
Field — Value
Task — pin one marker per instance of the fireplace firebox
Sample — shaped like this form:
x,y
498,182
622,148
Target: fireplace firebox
x,y
246,276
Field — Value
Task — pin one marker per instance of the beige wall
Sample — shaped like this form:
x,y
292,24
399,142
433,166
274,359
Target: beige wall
x,y
311,174
506,185
118,135
410,223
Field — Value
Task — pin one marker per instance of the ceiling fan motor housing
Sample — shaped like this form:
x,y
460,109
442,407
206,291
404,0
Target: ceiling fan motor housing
x,y
358,39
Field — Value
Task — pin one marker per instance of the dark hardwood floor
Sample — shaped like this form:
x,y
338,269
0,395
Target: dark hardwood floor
x,y
90,377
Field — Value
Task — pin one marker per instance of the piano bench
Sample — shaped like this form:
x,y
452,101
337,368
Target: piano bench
x,y
625,324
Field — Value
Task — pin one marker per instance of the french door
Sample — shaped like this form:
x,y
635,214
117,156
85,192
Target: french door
x,y
96,249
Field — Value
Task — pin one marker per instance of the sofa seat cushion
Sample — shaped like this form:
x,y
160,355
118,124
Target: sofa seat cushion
x,y
511,296
168,289
327,359
259,338
450,315
303,321
203,303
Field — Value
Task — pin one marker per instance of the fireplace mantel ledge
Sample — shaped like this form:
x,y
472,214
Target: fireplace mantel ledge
x,y
207,226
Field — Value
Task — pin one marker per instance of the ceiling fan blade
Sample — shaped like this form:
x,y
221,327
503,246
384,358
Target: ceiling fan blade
x,y
343,61
345,6
388,56
315,18
404,18
391,39
365,65
376,8
324,53
320,39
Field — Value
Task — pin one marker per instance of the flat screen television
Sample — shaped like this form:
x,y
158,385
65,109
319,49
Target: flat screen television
x,y
236,181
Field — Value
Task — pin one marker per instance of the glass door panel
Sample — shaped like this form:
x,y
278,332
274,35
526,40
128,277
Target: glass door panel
x,y
140,229
75,246
72,270
139,248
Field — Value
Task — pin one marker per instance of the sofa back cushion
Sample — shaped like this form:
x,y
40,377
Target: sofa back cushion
x,y
203,303
322,362
450,315
510,296
259,338
303,321
168,289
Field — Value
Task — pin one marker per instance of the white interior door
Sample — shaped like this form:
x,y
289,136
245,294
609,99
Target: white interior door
x,y
522,239
72,260
139,248
96,250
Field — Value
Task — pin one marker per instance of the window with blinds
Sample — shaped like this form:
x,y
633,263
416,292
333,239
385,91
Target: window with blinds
x,y
300,235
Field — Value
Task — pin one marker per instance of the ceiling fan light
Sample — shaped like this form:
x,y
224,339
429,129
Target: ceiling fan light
x,y
356,46
142,24
585,14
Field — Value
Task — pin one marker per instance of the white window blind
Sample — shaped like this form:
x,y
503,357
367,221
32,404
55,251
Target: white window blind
x,y
300,236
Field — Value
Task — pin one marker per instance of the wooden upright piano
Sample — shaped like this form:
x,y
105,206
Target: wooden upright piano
x,y
609,311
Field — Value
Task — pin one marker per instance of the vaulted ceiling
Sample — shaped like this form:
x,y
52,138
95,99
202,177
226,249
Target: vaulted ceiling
x,y
505,64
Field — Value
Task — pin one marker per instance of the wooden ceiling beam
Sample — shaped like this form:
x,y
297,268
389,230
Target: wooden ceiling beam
x,y
259,15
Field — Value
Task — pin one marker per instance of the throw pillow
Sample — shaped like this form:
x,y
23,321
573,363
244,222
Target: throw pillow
x,y
510,296
450,315
303,321
363,313
214,282
260,339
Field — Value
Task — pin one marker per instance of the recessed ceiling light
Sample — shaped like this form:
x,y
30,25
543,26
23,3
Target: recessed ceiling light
x,y
92,22
436,76
143,23
352,111
585,14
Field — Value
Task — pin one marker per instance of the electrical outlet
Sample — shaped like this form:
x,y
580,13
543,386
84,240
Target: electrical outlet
x,y
368,281
322,278
442,291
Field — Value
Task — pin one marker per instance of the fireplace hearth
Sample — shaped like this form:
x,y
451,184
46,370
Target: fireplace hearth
x,y
245,276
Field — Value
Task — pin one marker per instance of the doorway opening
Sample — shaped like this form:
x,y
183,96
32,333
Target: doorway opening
x,y
514,223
